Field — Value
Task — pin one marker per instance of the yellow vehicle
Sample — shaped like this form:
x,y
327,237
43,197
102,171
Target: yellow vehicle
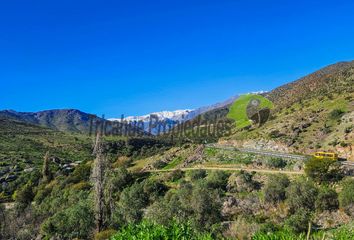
x,y
327,155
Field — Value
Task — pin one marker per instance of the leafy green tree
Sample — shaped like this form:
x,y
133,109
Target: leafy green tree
x,y
275,188
175,175
217,179
299,221
301,194
174,205
323,171
197,174
206,206
346,196
327,199
76,221
24,195
154,189
81,173
131,203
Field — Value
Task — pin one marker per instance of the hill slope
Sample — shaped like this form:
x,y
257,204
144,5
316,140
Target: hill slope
x,y
313,113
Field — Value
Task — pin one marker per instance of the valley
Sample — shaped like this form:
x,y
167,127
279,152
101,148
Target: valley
x,y
256,180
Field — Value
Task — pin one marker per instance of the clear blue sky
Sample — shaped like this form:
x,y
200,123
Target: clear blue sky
x,y
135,57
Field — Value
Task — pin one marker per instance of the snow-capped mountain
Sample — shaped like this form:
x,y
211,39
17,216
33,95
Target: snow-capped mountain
x,y
177,115
173,118
170,118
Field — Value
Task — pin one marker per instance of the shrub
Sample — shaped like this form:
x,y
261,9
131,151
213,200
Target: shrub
x,y
206,207
299,221
76,221
81,173
24,195
327,199
336,113
324,170
154,189
275,188
301,194
159,164
242,182
104,235
150,231
346,196
176,175
217,179
131,203
276,163
197,174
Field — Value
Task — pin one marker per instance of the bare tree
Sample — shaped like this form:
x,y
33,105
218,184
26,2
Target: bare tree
x,y
98,176
46,173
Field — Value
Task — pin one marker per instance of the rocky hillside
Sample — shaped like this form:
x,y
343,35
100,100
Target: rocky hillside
x,y
311,114
333,79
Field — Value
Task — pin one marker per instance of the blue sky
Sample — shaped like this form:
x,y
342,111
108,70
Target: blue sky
x,y
135,57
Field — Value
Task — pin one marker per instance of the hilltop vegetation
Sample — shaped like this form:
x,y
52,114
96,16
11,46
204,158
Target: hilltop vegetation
x,y
53,187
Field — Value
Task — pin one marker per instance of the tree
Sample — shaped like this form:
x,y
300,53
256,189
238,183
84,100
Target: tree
x,y
197,174
24,195
301,194
206,206
327,199
299,221
323,171
73,222
154,189
346,196
98,176
242,182
217,179
131,203
275,188
46,173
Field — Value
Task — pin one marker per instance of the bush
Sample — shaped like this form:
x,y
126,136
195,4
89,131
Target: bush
x,y
175,175
24,195
301,194
346,196
336,113
206,207
197,174
299,221
217,179
242,182
76,221
131,203
159,164
81,173
276,163
154,189
150,231
104,235
323,171
327,199
275,188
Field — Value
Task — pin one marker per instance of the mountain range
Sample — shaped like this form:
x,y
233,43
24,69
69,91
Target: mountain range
x,y
313,112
